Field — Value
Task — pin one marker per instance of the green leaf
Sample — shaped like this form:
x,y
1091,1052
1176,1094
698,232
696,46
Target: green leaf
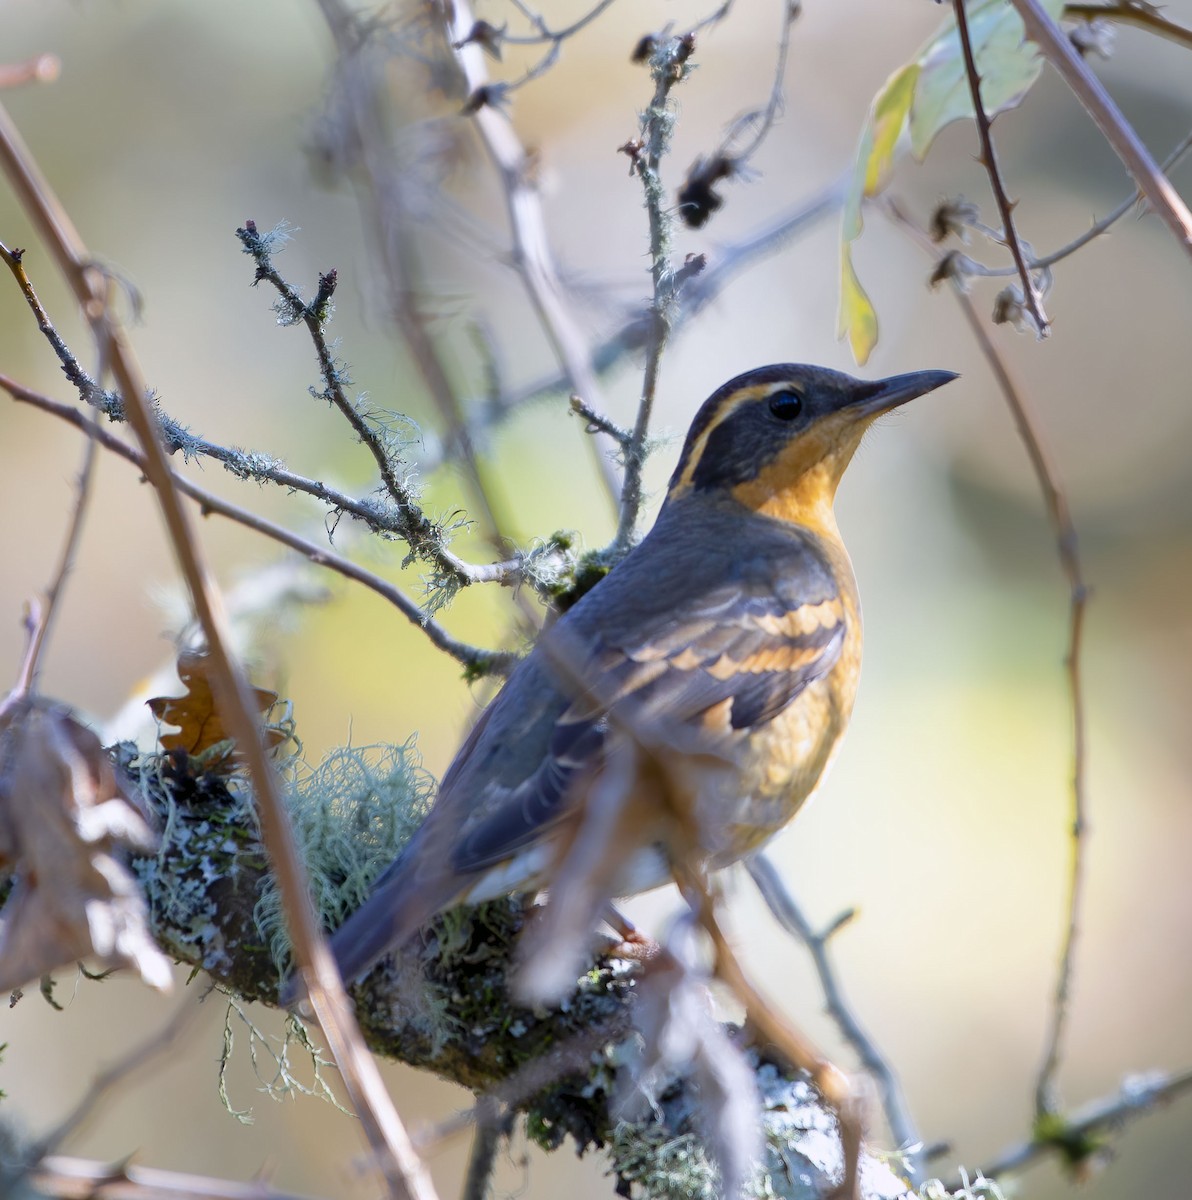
x,y
1006,62
931,91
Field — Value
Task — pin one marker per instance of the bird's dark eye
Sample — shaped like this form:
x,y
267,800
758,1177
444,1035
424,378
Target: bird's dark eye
x,y
786,406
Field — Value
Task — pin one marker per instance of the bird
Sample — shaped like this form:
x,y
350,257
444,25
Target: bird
x,y
687,706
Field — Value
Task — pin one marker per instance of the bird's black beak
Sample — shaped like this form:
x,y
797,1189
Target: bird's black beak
x,y
872,399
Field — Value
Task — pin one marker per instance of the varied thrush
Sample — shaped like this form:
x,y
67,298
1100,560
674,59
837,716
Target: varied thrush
x,y
728,642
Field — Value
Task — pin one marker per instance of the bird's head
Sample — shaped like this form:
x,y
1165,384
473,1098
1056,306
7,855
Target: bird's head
x,y
779,438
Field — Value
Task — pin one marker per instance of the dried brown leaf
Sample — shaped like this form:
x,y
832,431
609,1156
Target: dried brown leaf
x,y
200,726
64,819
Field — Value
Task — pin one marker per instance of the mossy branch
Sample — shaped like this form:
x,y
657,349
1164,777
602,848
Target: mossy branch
x,y
442,1004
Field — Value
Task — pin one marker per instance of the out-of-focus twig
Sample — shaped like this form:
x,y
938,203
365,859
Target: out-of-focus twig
x,y
797,1049
486,1142
726,264
404,1172
384,205
68,1178
119,1072
790,916
1129,12
1079,1136
1060,516
698,197
532,254
42,616
555,38
43,68
1045,261
1119,133
1030,293
713,18
477,660
544,32
774,104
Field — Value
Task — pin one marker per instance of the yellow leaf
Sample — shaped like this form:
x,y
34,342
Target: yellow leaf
x,y
857,318
875,156
887,119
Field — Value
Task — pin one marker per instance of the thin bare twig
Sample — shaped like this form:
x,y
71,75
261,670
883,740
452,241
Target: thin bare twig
x,y
1060,516
44,620
119,1072
545,33
1046,1091
1079,1135
698,197
556,40
477,660
790,916
1045,261
1145,16
84,1179
770,114
1095,230
713,18
532,256
1031,298
404,1172
1119,133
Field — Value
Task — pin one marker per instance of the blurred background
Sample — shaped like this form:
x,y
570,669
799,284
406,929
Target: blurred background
x,y
945,820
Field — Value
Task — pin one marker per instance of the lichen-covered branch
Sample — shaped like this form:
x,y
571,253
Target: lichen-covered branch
x,y
443,1004
424,537
668,66
476,660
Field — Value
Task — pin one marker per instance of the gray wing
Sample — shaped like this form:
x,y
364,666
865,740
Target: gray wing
x,y
753,637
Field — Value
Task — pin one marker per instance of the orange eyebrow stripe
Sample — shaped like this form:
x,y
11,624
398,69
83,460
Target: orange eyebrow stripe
x,y
746,395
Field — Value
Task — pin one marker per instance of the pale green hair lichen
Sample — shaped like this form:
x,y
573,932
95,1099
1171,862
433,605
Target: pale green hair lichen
x,y
351,815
